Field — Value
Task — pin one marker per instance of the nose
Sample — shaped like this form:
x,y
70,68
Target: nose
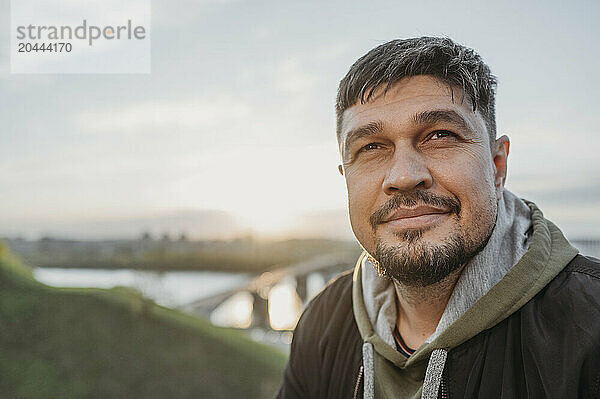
x,y
407,171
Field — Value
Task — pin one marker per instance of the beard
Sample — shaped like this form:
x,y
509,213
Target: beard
x,y
416,263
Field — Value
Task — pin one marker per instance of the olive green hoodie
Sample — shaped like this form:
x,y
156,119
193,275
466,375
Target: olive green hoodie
x,y
389,374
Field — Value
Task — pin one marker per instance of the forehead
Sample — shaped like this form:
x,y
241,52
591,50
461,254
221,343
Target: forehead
x,y
405,99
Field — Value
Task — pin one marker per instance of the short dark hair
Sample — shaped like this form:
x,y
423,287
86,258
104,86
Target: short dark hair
x,y
440,57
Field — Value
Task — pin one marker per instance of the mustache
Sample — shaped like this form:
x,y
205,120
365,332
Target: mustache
x,y
412,200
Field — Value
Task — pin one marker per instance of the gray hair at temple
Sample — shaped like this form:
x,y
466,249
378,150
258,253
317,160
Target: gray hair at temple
x,y
440,57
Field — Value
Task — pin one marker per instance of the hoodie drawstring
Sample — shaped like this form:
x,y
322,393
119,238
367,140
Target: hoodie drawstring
x,y
433,375
369,370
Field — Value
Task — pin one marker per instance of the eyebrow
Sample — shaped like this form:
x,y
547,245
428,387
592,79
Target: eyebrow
x,y
442,115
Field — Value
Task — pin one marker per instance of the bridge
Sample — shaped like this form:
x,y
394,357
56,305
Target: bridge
x,y
258,291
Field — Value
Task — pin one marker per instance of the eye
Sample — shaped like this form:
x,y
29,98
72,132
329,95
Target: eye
x,y
440,134
370,146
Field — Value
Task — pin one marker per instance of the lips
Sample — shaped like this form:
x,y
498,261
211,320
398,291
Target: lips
x,y
401,210
408,213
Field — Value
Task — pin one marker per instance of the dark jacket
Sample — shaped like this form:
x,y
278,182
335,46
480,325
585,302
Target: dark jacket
x,y
549,348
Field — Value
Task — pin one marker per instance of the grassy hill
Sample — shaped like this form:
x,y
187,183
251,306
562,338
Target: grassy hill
x,y
94,343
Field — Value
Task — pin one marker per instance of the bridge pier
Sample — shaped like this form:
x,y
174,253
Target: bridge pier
x,y
260,312
302,288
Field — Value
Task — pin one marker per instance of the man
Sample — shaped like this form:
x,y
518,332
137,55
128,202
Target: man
x,y
464,290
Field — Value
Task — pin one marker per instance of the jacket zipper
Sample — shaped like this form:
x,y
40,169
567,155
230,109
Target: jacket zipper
x,y
357,386
443,390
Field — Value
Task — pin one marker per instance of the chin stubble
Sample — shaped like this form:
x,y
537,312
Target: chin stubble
x,y
416,264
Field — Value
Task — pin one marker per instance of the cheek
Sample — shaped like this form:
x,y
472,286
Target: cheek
x,y
476,192
471,180
359,200
362,197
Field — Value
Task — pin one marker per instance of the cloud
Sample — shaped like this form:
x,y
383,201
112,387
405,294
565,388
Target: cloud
x,y
291,77
191,114
166,14
95,11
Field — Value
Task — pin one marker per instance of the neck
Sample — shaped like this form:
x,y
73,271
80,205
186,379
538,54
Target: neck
x,y
420,308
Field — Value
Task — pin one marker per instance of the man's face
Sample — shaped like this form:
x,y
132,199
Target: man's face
x,y
423,180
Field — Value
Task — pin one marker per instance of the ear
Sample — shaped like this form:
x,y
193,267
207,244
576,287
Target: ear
x,y
341,170
500,157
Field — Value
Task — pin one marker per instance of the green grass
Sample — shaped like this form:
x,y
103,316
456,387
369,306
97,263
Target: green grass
x,y
94,343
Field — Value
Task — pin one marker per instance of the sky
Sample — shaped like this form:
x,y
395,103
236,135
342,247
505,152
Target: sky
x,y
233,131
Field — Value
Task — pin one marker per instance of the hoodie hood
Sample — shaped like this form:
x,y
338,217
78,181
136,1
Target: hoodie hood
x,y
525,252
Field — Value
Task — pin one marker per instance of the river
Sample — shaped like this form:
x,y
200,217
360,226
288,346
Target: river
x,y
172,288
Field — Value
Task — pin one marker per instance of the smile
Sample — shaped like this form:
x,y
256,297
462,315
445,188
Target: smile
x,y
415,218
